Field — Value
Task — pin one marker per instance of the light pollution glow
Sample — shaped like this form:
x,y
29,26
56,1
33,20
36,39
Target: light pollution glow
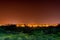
x,y
29,12
32,25
36,25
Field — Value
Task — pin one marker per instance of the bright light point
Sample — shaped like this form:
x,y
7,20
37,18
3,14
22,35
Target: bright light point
x,y
40,25
35,25
22,25
29,25
46,25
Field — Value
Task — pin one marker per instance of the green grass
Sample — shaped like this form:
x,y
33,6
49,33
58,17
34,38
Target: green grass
x,y
22,36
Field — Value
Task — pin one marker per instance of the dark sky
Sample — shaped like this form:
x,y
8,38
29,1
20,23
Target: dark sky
x,y
29,12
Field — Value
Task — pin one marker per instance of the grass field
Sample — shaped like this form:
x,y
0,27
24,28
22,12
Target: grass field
x,y
22,36
26,33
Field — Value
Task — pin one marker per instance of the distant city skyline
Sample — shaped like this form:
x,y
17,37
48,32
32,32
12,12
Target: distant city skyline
x,y
30,25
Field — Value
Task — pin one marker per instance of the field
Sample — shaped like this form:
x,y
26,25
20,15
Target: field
x,y
22,36
27,33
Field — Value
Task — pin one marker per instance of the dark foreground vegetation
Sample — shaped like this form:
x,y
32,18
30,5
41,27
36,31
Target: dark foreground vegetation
x,y
11,32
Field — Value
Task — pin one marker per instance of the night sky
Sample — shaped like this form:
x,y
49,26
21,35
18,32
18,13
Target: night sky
x,y
29,12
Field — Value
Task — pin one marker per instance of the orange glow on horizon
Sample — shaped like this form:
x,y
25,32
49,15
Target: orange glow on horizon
x,y
36,25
